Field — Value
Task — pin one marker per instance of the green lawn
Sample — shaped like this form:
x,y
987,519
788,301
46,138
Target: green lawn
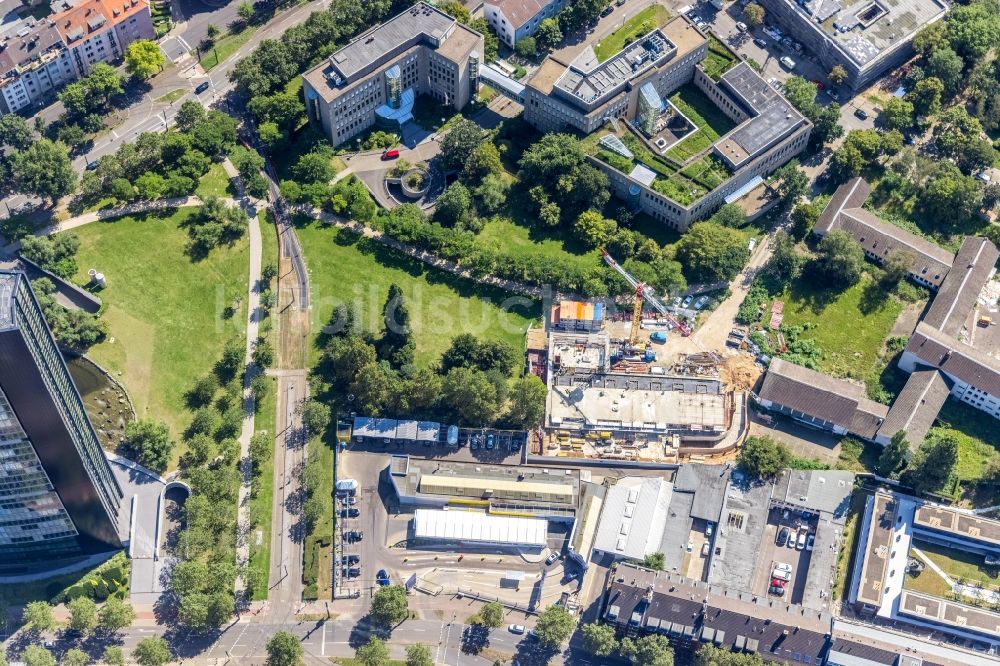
x,y
517,240
215,183
225,46
719,59
850,325
700,110
323,530
926,582
172,96
960,564
846,554
645,21
260,502
347,269
978,441
164,312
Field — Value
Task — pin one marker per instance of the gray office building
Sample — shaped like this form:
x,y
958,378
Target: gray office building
x,y
58,497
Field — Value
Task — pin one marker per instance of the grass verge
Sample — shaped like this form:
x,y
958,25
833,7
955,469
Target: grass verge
x,y
164,311
848,546
225,46
261,499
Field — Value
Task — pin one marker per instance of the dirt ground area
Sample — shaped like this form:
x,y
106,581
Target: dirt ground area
x,y
740,372
293,323
800,440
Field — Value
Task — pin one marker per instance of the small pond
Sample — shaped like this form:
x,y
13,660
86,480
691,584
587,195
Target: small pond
x,y
106,404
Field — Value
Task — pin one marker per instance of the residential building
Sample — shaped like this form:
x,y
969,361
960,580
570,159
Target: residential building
x,y
376,78
819,400
627,91
58,497
513,20
866,37
38,57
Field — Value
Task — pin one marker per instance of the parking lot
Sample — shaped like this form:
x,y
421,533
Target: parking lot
x,y
772,554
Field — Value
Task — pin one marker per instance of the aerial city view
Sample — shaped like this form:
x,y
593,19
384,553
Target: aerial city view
x,y
500,332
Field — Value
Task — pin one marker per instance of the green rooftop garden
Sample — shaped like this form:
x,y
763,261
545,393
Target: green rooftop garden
x,y
711,122
645,21
719,59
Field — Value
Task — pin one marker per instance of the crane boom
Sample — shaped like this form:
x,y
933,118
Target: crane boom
x,y
647,293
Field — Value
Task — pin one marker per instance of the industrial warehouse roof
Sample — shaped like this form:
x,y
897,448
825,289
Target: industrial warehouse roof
x,y
826,491
449,484
635,511
466,526
413,431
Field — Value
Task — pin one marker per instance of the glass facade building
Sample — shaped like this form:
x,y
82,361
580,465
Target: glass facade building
x,y
58,496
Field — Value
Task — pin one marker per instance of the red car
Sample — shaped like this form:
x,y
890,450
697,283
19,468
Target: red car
x,y
775,582
390,154
819,85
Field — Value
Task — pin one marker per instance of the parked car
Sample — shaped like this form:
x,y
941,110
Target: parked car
x,y
686,303
619,3
777,582
810,541
676,302
792,536
787,63
741,26
833,94
776,591
860,114
704,549
349,513
553,556
382,577
607,11
354,535
783,566
349,500
738,334
801,543
91,166
760,41
352,572
390,154
701,302
782,537
516,628
350,559
490,443
781,575
201,87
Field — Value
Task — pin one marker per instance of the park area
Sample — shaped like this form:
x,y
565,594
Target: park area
x,y
164,312
441,305
645,21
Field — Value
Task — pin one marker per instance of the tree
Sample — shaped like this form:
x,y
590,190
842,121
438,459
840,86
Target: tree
x,y
709,655
152,651
926,96
396,345
801,93
143,58
754,14
75,657
555,624
113,656
419,655
14,132
115,614
526,47
38,616
82,614
932,464
212,31
785,263
483,161
839,259
763,457
947,66
44,169
793,183
951,196
36,655
314,167
283,649
599,639
389,606
491,194
838,75
593,229
190,114
373,653
315,416
711,253
149,443
471,395
655,561
894,454
456,10
454,205
461,140
491,43
653,650
897,114
897,266
548,36
491,614
527,402
103,83
150,186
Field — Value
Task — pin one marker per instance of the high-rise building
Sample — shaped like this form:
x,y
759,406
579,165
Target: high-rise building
x,y
58,496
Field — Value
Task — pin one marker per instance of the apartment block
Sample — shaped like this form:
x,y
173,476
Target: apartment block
x,y
513,20
375,79
38,57
58,497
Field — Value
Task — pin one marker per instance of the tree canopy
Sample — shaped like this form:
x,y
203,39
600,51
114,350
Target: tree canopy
x,y
143,58
554,626
710,252
762,457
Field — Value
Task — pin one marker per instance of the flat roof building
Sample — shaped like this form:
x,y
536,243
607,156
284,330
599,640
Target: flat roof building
x,y
375,78
865,37
633,518
475,527
58,495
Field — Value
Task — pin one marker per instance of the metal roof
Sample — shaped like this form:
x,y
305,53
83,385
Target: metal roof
x,y
466,526
633,518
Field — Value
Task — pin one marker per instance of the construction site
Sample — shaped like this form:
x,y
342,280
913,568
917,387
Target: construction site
x,y
623,388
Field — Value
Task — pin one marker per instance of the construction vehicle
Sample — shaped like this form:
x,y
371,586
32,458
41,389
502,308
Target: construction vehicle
x,y
643,293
